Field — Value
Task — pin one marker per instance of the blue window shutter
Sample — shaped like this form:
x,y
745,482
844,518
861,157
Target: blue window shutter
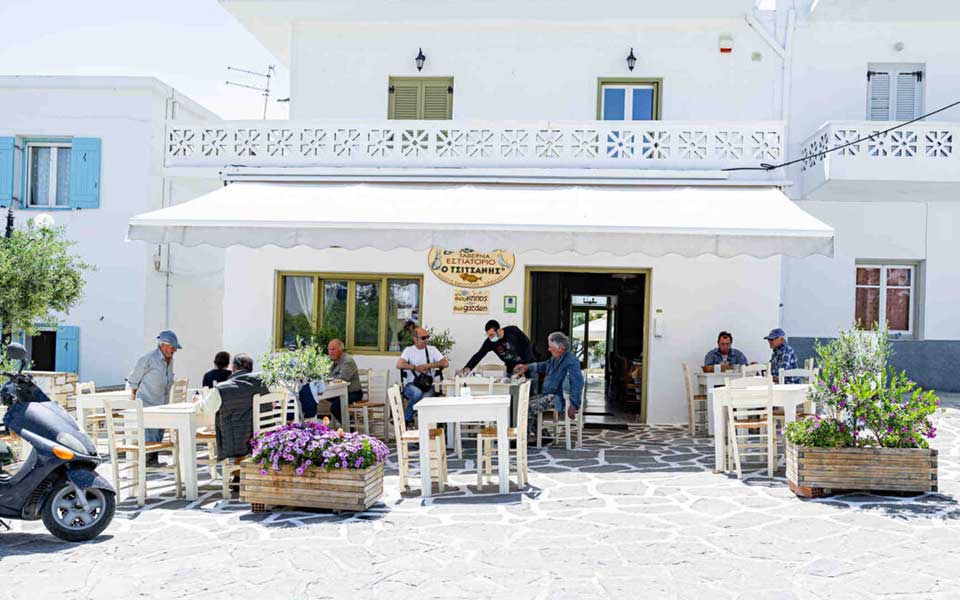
x,y
614,100
7,151
85,173
67,358
642,104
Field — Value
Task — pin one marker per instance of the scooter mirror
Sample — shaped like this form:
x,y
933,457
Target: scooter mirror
x,y
16,351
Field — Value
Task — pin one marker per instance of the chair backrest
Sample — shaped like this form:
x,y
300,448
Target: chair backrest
x,y
755,370
178,391
745,403
810,363
688,386
523,406
746,382
491,370
377,386
364,375
86,387
396,410
125,427
269,411
478,386
807,375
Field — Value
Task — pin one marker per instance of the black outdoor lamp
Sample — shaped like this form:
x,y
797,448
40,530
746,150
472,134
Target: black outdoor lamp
x,y
420,59
631,60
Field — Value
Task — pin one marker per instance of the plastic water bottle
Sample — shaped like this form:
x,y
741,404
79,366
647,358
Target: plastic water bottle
x,y
465,391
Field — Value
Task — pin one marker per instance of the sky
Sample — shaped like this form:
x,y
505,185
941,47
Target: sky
x,y
187,44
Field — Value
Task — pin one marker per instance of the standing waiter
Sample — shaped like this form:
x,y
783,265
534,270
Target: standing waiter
x,y
510,344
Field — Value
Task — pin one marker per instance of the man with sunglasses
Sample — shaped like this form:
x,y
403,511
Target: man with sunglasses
x,y
418,363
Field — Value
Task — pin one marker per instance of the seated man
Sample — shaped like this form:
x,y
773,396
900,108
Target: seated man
x,y
562,366
418,363
344,369
725,353
232,401
783,356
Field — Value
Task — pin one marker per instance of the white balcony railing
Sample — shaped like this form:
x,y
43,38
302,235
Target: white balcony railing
x,y
919,152
587,144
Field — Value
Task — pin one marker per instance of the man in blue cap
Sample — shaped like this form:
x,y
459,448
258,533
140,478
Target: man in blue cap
x,y
783,356
152,378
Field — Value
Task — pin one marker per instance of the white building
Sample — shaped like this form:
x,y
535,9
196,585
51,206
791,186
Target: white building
x,y
102,138
509,133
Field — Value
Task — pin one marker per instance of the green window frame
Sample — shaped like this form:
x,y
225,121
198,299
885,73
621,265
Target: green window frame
x,y
655,82
356,325
420,98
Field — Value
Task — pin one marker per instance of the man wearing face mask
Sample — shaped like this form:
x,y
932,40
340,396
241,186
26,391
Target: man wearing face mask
x,y
510,344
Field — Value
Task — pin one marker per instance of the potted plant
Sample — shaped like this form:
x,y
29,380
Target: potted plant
x,y
441,340
873,427
310,465
291,369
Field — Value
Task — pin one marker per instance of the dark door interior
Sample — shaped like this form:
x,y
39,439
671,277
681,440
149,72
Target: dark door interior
x,y
552,310
43,351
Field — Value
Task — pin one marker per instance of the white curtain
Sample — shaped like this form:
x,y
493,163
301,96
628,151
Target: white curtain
x,y
300,301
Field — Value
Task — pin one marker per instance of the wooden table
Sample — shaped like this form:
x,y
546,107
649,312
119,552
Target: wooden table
x,y
184,418
435,410
705,381
337,390
787,396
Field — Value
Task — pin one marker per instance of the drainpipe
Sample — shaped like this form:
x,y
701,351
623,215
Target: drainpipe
x,y
166,184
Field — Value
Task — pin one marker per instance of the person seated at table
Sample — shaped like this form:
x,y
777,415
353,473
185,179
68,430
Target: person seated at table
x,y
510,344
783,356
725,353
562,366
344,369
214,376
417,363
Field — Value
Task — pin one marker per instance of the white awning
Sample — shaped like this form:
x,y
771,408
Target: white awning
x,y
690,221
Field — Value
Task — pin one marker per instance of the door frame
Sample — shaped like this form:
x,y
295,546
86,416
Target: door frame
x,y
529,270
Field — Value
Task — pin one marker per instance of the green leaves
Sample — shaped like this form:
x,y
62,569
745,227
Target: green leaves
x,y
293,368
39,278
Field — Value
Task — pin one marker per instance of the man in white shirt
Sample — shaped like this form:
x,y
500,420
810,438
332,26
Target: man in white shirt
x,y
418,363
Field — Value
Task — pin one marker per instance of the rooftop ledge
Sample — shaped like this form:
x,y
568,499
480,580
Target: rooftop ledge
x,y
487,150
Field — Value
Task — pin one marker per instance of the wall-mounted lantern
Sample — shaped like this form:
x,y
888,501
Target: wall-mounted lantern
x,y
631,60
420,59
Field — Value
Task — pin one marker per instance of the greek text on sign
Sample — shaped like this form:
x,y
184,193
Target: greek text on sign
x,y
471,302
466,268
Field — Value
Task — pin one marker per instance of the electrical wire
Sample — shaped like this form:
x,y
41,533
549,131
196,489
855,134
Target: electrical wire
x,y
769,167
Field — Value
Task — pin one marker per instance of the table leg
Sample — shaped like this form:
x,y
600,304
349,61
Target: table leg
x,y
503,450
344,412
188,459
719,433
425,486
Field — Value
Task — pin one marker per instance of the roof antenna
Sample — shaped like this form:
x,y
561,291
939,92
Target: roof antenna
x,y
265,90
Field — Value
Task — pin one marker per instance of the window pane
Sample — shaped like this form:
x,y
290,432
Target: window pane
x,y
297,309
868,276
403,307
63,176
367,314
334,320
614,101
898,309
898,276
642,103
868,306
40,176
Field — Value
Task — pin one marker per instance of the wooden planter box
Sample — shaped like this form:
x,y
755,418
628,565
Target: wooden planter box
x,y
816,472
347,489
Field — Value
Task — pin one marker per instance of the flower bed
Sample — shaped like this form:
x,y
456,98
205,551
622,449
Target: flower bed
x,y
873,427
310,465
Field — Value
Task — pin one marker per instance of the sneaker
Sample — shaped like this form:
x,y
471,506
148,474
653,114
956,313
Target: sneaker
x,y
153,460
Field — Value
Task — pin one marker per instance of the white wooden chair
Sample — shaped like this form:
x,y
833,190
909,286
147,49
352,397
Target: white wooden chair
x,y
488,439
557,420
129,448
270,411
179,391
696,405
477,385
810,363
807,375
405,437
750,424
374,406
757,370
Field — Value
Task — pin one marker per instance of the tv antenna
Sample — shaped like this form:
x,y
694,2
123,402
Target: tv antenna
x,y
264,91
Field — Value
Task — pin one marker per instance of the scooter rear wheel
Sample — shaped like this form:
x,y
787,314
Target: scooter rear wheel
x,y
64,516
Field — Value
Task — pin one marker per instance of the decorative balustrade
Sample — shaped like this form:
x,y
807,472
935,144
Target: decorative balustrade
x,y
588,144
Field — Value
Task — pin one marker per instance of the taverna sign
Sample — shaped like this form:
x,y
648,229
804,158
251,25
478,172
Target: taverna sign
x,y
468,269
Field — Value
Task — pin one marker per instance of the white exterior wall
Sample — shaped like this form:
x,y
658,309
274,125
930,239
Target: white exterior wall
x,y
128,115
699,298
532,69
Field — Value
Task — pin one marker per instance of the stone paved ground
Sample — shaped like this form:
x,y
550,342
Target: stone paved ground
x,y
636,514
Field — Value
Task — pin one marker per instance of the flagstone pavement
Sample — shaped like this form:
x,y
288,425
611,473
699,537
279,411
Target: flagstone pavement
x,y
635,514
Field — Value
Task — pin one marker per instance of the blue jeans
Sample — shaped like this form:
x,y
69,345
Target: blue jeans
x,y
413,394
153,435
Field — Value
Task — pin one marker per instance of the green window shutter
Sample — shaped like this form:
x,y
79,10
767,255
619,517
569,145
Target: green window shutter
x,y
404,100
438,99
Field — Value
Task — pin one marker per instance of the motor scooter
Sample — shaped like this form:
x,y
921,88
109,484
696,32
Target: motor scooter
x,y
57,481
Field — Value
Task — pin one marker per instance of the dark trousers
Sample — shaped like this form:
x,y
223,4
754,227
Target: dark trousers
x,y
352,397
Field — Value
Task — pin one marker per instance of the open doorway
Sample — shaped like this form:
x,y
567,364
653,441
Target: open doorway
x,y
604,313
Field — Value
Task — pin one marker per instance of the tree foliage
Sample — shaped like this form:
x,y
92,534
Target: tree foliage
x,y
39,278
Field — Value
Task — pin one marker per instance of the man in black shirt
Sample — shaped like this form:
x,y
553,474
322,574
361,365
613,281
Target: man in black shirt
x,y
510,344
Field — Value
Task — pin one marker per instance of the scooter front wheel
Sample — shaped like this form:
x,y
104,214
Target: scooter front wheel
x,y
64,515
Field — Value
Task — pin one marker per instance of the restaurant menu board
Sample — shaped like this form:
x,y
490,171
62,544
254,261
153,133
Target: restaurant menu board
x,y
469,269
471,302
